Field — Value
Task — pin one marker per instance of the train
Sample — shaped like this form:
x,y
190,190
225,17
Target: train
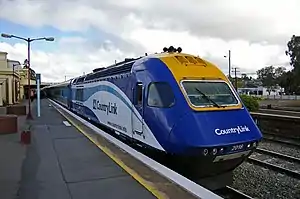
x,y
175,105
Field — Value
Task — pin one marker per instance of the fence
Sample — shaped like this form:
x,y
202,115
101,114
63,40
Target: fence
x,y
279,97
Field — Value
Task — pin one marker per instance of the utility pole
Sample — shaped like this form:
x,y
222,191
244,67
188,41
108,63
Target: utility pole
x,y
235,77
229,63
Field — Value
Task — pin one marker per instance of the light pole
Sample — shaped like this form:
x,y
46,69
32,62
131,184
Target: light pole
x,y
235,78
229,63
28,40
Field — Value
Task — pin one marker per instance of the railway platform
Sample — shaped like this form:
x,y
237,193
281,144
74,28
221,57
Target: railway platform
x,y
63,162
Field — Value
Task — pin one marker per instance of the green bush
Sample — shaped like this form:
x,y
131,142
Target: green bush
x,y
250,102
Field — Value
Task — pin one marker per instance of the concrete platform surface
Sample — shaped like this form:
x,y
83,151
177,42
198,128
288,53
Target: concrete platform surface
x,y
12,155
61,163
160,186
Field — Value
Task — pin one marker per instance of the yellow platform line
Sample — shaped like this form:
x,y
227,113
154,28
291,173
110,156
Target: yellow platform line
x,y
110,154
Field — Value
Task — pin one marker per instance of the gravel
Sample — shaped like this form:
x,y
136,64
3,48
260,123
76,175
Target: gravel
x,y
280,148
259,182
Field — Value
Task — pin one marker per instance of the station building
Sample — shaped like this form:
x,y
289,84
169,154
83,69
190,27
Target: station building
x,y
14,81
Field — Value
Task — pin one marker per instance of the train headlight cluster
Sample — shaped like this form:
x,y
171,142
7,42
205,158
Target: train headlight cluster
x,y
221,150
235,148
171,49
252,144
214,151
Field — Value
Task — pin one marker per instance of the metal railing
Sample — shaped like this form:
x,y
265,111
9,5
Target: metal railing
x,y
279,97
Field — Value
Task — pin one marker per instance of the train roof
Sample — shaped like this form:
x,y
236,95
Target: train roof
x,y
125,66
117,68
65,83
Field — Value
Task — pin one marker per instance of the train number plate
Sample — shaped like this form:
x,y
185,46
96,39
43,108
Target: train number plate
x,y
237,147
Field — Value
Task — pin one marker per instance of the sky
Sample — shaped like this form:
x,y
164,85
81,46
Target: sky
x,y
91,33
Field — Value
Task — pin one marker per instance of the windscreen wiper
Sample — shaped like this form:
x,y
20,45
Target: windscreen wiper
x,y
206,97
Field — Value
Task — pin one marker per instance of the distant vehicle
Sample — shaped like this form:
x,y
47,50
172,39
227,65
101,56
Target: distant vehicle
x,y
171,103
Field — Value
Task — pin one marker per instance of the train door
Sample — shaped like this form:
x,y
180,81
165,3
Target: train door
x,y
69,95
137,117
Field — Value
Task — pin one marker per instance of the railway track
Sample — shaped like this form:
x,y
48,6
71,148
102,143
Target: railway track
x,y
278,155
275,166
282,136
277,139
231,193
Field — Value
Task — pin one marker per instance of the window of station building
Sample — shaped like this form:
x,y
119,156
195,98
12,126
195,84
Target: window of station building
x,y
139,94
218,93
160,95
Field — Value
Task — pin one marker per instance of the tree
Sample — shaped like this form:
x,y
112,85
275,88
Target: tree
x,y
25,63
270,76
294,53
267,77
279,72
288,81
245,77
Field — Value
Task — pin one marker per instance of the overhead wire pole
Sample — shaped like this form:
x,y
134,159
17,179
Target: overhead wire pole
x,y
229,63
28,40
235,77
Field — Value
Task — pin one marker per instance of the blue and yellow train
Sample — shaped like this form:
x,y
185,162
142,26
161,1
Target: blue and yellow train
x,y
173,103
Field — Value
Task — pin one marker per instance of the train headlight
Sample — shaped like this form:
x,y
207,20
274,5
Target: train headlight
x,y
221,150
205,152
248,145
215,151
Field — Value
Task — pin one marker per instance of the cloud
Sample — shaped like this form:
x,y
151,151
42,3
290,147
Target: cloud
x,y
244,54
68,60
72,58
270,20
255,31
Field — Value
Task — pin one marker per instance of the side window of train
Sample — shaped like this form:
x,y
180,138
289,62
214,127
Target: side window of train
x,y
79,94
160,95
139,94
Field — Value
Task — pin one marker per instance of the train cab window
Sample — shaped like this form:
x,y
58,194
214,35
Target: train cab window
x,y
209,93
139,94
160,95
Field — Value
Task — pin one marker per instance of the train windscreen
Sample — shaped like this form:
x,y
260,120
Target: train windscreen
x,y
209,93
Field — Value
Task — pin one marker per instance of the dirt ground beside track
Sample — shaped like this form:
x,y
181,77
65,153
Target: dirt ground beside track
x,y
291,105
286,103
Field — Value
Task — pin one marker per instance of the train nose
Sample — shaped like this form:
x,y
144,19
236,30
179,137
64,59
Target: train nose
x,y
215,128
